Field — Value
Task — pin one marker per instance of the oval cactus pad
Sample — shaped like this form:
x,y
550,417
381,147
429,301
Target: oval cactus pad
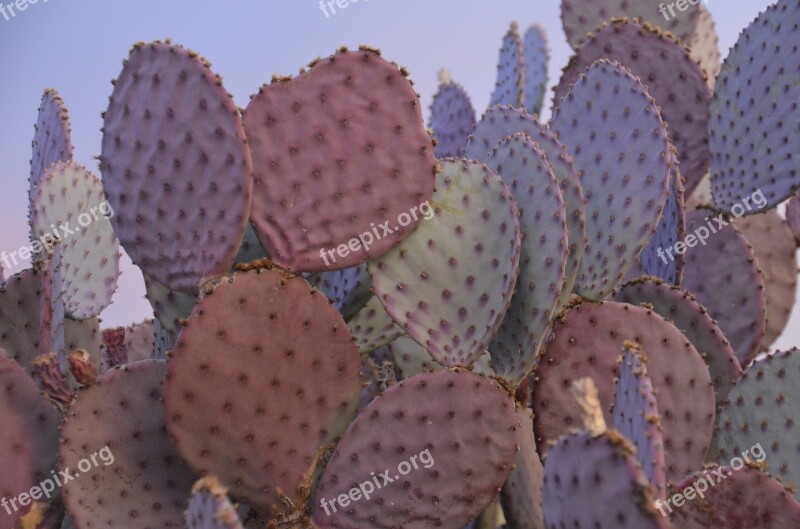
x,y
508,89
537,60
753,131
432,451
52,138
175,166
450,283
452,118
134,477
69,205
261,349
619,144
588,342
338,151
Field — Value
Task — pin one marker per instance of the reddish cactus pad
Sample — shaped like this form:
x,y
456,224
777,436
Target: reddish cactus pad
x,y
264,373
175,166
445,441
337,151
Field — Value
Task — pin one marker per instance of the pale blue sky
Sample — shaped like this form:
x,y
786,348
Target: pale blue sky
x,y
77,47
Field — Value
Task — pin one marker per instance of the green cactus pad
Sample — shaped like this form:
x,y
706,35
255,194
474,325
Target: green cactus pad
x,y
587,343
619,144
545,251
169,307
261,349
597,482
446,441
774,247
372,327
635,415
733,498
762,409
450,283
581,19
502,121
508,89
673,79
348,137
210,507
537,60
693,320
723,274
521,496
136,478
28,438
70,202
753,130
176,167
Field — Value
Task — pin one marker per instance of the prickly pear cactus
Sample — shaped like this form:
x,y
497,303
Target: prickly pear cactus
x,y
508,90
452,117
52,141
537,60
210,507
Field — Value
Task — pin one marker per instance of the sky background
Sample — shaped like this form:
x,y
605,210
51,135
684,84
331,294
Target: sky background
x,y
77,47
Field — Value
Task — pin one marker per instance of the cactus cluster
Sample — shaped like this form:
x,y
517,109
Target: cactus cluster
x,y
363,323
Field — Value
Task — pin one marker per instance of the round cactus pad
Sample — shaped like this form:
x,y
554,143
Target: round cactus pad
x,y
126,471
635,415
432,451
580,18
587,342
502,121
723,274
508,90
545,250
761,410
774,246
450,283
597,482
341,157
261,349
210,507
51,140
69,205
693,320
734,498
175,165
753,133
28,437
619,144
452,119
537,60
672,77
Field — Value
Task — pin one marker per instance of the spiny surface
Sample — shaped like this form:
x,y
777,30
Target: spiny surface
x,y
175,166
587,343
635,415
140,341
521,496
545,250
338,151
619,144
508,89
672,77
447,441
28,438
347,289
736,498
774,247
262,349
501,121
762,409
169,306
210,508
704,45
70,205
450,283
372,327
597,482
754,133
723,274
537,60
452,119
138,479
20,316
